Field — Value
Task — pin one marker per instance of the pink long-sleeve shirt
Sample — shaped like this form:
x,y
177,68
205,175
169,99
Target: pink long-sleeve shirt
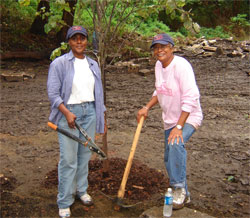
x,y
177,91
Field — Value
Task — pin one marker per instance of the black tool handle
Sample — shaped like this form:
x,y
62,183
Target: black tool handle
x,y
70,135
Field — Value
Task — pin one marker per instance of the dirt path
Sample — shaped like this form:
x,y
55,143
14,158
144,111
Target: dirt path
x,y
218,153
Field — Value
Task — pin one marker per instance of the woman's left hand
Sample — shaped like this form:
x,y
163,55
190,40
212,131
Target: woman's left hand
x,y
175,134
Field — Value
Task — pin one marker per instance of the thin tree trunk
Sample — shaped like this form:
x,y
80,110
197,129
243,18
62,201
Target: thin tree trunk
x,y
105,136
97,17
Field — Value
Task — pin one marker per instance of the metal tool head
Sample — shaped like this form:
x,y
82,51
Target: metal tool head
x,y
120,204
90,143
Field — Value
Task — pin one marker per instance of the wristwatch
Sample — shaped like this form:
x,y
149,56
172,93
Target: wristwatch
x,y
179,127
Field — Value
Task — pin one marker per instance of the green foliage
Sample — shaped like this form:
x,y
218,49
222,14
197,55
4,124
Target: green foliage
x,y
212,33
83,18
240,26
149,27
28,10
24,2
183,31
55,21
240,20
16,17
216,12
58,51
175,10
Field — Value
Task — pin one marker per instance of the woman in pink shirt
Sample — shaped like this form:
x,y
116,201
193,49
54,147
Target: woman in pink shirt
x,y
178,95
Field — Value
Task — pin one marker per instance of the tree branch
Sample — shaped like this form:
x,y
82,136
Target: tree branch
x,y
110,19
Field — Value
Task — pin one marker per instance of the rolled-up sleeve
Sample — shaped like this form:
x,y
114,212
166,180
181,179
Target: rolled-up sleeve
x,y
190,92
154,93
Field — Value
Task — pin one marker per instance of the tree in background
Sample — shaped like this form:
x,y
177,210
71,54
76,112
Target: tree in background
x,y
103,13
37,27
68,19
59,17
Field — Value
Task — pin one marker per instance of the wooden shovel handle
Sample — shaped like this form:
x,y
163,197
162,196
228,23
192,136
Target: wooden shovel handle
x,y
121,190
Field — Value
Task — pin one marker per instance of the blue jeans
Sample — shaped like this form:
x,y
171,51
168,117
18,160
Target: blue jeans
x,y
74,157
175,158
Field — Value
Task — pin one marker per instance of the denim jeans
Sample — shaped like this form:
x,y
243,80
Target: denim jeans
x,y
175,158
74,157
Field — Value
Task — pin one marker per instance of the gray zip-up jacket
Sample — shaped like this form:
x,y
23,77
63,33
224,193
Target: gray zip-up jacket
x,y
59,86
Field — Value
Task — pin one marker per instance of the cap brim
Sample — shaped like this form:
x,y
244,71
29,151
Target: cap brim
x,y
75,32
160,42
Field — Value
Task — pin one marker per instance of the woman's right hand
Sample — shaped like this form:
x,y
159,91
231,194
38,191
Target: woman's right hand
x,y
70,117
142,112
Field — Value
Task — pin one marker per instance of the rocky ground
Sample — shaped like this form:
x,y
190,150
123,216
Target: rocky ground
x,y
218,153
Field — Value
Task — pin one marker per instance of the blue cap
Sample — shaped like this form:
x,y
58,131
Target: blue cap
x,y
163,39
74,30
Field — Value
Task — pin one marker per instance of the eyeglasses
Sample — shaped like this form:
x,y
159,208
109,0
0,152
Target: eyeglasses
x,y
160,46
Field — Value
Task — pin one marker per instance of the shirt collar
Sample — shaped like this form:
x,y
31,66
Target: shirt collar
x,y
90,61
70,55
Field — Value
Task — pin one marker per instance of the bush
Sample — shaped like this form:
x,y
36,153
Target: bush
x,y
15,18
213,33
240,26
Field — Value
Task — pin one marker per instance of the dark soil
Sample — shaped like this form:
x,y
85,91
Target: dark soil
x,y
142,183
218,153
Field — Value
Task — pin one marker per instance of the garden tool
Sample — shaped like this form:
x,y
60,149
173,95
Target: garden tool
x,y
89,142
121,190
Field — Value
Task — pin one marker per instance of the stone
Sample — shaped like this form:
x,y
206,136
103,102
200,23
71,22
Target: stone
x,y
209,48
157,212
133,68
208,54
235,54
204,43
16,77
12,77
144,72
123,63
219,51
246,48
212,41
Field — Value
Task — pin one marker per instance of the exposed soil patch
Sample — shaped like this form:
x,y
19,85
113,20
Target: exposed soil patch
x,y
143,182
218,153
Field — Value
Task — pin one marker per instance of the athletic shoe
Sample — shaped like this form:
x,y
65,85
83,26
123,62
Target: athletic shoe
x,y
63,213
180,198
86,200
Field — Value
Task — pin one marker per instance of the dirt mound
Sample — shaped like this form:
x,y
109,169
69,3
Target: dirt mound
x,y
142,182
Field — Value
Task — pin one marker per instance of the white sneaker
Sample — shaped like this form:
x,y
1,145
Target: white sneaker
x,y
180,198
86,200
63,213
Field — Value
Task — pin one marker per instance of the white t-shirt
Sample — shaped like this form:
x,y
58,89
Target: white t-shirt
x,y
83,83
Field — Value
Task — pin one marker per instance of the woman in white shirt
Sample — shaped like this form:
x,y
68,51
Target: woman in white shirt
x,y
76,94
